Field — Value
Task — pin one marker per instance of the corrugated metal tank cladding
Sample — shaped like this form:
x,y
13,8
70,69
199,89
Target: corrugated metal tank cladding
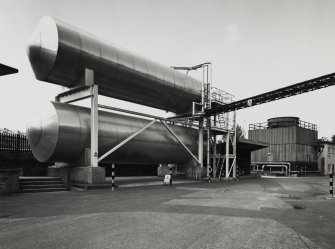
x,y
288,141
285,152
59,53
63,132
284,135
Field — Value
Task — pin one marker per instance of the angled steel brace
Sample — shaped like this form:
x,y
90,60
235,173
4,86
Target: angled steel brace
x,y
125,141
175,136
231,166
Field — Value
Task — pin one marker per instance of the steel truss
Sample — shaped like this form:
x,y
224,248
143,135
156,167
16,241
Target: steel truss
x,y
292,90
90,90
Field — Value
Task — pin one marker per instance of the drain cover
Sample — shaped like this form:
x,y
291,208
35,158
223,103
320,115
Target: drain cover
x,y
298,206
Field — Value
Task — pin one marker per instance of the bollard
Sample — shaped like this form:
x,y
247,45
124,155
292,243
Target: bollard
x,y
170,176
331,187
209,174
113,176
68,179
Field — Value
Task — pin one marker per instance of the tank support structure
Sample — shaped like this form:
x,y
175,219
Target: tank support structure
x,y
216,125
90,90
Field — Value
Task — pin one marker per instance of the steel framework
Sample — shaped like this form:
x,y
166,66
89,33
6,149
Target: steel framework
x,y
215,124
299,88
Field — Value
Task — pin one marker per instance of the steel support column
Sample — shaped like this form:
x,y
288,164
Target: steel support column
x,y
89,81
234,146
227,146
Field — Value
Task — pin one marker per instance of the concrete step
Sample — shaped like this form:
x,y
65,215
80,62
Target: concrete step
x,y
30,186
42,190
36,184
39,178
24,183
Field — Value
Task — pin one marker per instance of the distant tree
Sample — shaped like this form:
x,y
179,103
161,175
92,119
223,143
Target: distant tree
x,y
240,132
333,139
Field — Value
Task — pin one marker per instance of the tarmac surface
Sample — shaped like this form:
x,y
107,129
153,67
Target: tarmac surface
x,y
143,213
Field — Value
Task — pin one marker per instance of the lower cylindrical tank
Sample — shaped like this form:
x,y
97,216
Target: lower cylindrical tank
x,y
62,133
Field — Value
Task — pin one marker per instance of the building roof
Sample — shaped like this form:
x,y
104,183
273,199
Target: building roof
x,y
5,70
250,145
327,142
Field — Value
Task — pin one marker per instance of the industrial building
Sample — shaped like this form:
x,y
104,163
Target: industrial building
x,y
326,157
292,142
79,140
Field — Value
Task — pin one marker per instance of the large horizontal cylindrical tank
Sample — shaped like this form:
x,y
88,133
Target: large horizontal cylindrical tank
x,y
62,132
59,53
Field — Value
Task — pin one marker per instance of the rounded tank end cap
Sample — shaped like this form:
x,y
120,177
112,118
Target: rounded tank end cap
x,y
42,47
42,132
34,132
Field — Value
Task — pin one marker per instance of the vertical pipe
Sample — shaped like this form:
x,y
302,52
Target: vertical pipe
x,y
234,146
208,145
201,142
214,157
113,176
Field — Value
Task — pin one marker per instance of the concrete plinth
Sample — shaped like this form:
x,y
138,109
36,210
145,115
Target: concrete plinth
x,y
197,172
84,175
190,169
89,175
9,181
63,172
193,170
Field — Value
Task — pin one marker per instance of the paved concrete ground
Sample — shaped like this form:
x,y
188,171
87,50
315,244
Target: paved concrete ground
x,y
250,213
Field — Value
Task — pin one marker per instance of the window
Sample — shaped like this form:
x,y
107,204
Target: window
x,y
329,150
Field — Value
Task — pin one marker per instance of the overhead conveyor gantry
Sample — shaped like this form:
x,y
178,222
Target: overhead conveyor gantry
x,y
292,90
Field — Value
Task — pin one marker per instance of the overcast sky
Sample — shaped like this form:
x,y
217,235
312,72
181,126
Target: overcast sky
x,y
255,46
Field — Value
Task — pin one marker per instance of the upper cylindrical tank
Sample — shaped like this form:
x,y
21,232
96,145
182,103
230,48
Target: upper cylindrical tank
x,y
283,122
62,132
59,53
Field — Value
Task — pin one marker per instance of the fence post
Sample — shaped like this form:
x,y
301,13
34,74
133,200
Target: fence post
x,y
17,147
